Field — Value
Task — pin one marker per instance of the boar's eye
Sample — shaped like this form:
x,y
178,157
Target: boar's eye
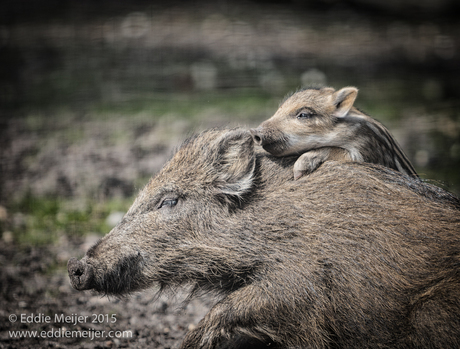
x,y
305,115
168,203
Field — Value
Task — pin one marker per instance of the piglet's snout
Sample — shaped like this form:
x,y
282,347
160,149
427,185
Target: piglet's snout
x,y
257,135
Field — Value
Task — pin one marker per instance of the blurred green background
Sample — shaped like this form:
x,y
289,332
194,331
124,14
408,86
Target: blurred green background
x,y
95,95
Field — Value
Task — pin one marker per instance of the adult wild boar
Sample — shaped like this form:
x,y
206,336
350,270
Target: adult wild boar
x,y
351,256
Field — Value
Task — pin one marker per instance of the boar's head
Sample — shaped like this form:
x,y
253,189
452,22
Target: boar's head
x,y
174,233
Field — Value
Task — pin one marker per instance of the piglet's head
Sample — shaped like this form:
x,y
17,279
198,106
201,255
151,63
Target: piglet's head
x,y
306,120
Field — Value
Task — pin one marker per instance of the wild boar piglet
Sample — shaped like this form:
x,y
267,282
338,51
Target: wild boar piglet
x,y
322,124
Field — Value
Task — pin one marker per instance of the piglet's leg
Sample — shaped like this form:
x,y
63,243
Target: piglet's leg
x,y
311,160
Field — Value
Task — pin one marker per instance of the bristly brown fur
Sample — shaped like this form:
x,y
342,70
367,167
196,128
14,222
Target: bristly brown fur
x,y
300,89
355,255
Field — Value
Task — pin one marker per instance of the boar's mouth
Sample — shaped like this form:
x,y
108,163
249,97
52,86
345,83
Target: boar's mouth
x,y
119,280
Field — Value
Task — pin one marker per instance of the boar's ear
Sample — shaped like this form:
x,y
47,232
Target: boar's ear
x,y
343,100
235,163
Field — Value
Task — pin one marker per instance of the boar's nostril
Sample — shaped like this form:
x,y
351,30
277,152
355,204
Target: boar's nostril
x,y
75,267
80,273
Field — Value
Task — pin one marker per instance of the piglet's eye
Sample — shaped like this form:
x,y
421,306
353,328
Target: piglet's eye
x,y
168,203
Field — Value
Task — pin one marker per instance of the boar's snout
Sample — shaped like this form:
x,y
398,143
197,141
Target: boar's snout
x,y
81,274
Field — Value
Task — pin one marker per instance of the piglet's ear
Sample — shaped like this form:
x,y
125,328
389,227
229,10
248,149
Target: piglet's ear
x,y
235,163
343,100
